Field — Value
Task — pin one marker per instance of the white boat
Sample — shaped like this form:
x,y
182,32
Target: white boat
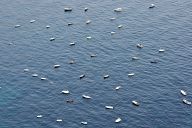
x,y
56,66
161,50
84,123
93,55
118,120
113,18
186,102
59,120
131,74
152,6
112,33
69,24
65,92
120,26
135,58
71,44
183,92
106,76
52,39
82,76
139,45
17,26
135,103
118,87
39,116
71,62
47,26
34,75
86,97
26,70
89,37
118,10
32,21
85,9
88,21
67,9
109,107
43,78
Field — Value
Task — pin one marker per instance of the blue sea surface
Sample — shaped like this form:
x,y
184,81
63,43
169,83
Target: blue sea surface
x,y
155,86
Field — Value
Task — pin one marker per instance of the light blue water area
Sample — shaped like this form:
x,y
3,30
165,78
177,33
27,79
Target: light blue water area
x,y
155,86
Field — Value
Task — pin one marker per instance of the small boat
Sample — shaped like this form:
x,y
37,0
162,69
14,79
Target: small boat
x,y
17,26
152,6
52,39
118,87
69,24
71,62
67,9
112,33
56,66
39,116
120,26
109,107
59,120
84,123
93,55
70,101
184,93
131,74
82,76
88,21
65,92
89,37
118,10
154,61
86,97
32,21
186,102
43,78
71,44
34,75
26,70
118,120
135,103
135,58
113,18
85,9
139,46
106,76
47,26
161,50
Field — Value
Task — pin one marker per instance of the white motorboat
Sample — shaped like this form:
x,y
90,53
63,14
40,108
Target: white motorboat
x,y
67,9
118,87
135,103
106,76
52,39
88,21
152,6
86,97
131,74
56,66
84,123
109,107
65,92
186,102
118,9
184,93
118,120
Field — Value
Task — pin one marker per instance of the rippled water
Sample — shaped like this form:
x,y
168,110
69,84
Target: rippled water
x,y
155,86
